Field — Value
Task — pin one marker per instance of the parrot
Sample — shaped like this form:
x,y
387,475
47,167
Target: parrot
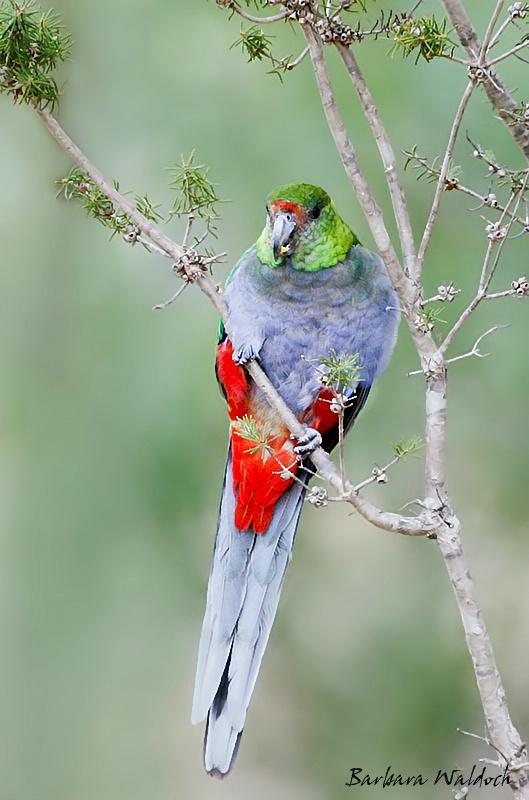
x,y
306,289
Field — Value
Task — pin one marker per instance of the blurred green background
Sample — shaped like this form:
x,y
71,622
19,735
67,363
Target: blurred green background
x,y
114,437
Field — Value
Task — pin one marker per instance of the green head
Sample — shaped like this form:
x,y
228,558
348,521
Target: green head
x,y
304,228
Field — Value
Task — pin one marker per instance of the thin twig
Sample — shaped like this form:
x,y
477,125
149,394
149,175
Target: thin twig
x,y
298,60
488,33
398,198
483,278
455,59
341,449
486,274
148,227
495,39
518,195
474,303
172,299
511,52
352,168
187,232
287,470
441,183
259,20
449,292
152,247
496,295
498,207
475,349
496,90
483,201
376,477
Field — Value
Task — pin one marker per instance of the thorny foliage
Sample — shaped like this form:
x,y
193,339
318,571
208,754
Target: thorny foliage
x,y
407,447
32,44
424,36
428,318
195,198
338,372
260,436
254,43
503,205
196,195
503,186
77,186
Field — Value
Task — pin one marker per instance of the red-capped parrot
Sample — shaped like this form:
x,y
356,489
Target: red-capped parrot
x,y
305,289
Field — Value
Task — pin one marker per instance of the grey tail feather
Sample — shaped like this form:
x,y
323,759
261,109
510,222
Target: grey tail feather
x,y
245,583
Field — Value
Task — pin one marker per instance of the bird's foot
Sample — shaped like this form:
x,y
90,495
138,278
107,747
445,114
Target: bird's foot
x,y
245,353
307,443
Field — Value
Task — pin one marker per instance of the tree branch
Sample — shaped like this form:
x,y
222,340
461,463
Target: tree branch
x,y
508,53
486,274
504,735
398,199
372,211
484,50
495,89
475,349
413,526
441,183
259,20
169,247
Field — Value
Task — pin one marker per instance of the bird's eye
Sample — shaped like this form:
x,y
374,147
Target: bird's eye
x,y
315,211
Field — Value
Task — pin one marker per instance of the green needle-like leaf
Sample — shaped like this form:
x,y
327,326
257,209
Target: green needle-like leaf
x,y
248,428
406,447
339,372
32,44
196,194
254,43
425,36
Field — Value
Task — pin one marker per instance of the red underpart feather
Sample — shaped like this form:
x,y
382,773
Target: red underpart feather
x,y
257,481
319,415
234,379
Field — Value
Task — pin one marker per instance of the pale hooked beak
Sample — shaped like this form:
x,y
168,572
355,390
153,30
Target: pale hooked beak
x,y
285,224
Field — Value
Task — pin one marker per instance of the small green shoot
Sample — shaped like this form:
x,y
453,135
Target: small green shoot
x,y
407,447
428,318
248,428
339,372
77,186
196,195
32,44
254,43
425,36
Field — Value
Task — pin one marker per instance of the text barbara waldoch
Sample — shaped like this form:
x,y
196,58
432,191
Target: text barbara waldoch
x,y
477,776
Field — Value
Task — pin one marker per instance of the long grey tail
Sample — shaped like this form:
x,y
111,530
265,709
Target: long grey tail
x,y
245,583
